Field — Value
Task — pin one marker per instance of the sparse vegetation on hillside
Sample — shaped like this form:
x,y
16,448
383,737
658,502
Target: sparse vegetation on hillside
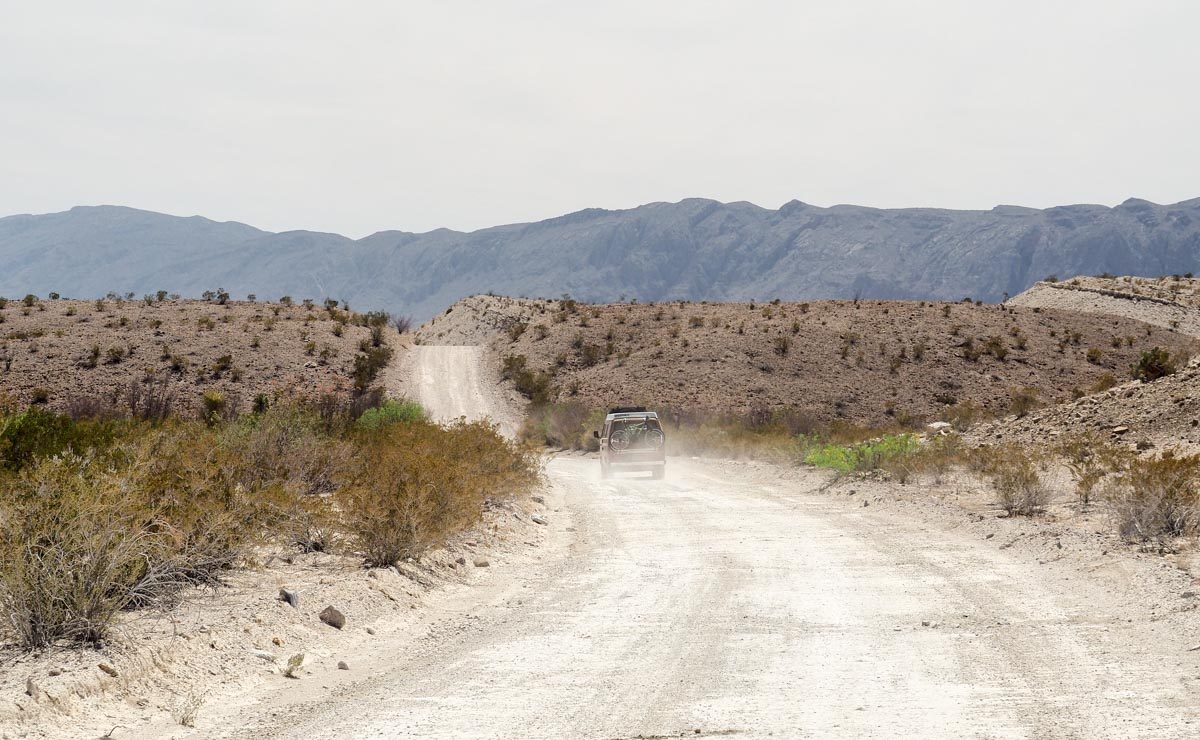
x,y
88,352
875,364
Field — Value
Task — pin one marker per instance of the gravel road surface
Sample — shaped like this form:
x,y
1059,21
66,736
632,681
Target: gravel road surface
x,y
722,603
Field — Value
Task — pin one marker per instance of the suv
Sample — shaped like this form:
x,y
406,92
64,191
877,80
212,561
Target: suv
x,y
632,440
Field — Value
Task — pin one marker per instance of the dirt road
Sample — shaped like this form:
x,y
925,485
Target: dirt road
x,y
729,601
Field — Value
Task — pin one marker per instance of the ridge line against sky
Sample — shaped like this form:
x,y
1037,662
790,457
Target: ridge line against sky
x,y
401,229
299,114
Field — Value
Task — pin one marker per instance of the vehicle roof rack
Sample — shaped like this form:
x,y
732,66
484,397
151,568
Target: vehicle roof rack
x,y
627,410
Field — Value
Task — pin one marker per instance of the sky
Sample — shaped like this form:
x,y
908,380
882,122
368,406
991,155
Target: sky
x,y
360,116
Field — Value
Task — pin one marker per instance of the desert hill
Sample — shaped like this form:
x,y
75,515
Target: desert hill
x,y
870,363
1171,301
696,249
70,352
1164,412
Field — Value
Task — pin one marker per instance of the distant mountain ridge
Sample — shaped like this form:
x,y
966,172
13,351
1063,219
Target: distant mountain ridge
x,y
695,249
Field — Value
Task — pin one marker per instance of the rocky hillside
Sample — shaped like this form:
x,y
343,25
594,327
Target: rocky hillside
x,y
874,362
70,352
1171,301
695,249
1164,412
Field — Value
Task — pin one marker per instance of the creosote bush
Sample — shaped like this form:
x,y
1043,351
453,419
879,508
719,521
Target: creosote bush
x,y
1014,473
415,484
98,516
1156,498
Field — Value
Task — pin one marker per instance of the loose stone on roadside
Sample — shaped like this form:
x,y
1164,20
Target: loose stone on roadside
x,y
290,597
333,617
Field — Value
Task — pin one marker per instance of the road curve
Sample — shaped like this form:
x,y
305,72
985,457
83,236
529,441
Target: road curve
x,y
721,602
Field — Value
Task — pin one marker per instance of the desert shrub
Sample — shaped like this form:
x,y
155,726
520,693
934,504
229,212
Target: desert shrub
x,y
99,515
1013,471
936,457
516,329
1156,498
995,347
561,425
416,484
391,412
869,455
37,433
1153,364
1094,354
961,415
1103,383
402,324
782,344
1090,459
212,406
73,558
368,364
591,354
83,537
1022,401
534,385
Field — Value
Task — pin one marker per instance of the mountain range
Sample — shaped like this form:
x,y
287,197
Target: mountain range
x,y
695,249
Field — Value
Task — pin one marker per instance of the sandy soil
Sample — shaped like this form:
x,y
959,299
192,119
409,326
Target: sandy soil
x,y
754,601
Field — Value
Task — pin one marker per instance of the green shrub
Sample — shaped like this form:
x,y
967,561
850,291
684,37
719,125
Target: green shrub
x,y
37,433
870,455
391,412
213,406
1154,363
368,364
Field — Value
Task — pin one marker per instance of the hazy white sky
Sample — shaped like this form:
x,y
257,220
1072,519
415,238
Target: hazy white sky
x,y
373,114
